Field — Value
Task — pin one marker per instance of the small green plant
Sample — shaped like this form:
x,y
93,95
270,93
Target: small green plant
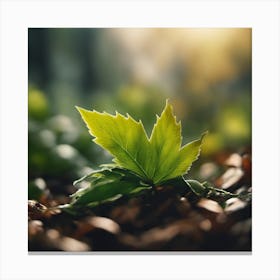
x,y
141,163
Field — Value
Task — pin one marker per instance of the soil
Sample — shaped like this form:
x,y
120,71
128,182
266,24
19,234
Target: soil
x,y
164,221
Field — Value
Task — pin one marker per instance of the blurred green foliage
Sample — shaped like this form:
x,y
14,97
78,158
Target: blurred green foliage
x,y
206,74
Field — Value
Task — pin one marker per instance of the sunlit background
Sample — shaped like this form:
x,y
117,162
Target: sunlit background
x,y
206,74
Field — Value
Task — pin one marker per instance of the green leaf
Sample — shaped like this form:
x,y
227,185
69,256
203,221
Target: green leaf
x,y
219,195
198,188
106,185
155,159
122,136
170,160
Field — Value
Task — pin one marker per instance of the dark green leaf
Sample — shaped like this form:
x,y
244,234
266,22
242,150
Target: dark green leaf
x,y
107,185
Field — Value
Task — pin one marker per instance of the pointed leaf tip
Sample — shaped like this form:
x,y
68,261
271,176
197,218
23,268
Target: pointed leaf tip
x,y
78,108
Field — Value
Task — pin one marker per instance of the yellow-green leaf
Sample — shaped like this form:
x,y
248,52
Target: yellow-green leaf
x,y
155,159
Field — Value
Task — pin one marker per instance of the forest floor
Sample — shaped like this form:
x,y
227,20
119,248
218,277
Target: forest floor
x,y
165,221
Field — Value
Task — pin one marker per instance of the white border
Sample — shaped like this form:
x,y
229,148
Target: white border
x,y
262,16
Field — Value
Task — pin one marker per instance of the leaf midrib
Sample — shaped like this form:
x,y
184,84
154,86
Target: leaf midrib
x,y
132,158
